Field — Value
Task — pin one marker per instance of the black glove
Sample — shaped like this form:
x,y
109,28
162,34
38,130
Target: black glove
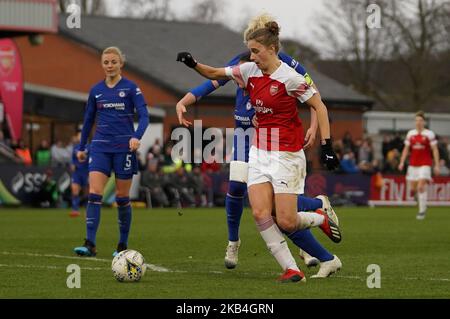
x,y
328,156
187,59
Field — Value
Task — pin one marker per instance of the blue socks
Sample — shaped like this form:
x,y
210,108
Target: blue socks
x,y
305,204
124,214
234,206
93,216
75,203
305,240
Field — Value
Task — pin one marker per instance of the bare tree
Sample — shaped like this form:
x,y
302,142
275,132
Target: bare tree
x,y
148,9
303,52
91,7
345,36
419,34
206,11
410,44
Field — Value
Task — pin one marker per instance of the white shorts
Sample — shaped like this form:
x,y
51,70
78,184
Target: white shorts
x,y
286,171
415,173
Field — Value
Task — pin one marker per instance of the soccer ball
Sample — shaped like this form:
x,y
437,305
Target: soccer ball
x,y
128,265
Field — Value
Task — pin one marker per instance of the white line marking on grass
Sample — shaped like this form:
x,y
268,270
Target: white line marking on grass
x,y
47,267
55,256
149,266
164,269
348,277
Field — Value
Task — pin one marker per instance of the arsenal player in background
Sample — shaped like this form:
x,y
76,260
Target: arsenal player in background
x,y
423,146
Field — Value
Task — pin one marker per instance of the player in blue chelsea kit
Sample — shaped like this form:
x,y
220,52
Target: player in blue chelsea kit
x,y
311,250
80,178
111,104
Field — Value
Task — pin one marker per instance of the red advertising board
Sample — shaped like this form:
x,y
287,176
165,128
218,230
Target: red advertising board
x,y
11,86
394,190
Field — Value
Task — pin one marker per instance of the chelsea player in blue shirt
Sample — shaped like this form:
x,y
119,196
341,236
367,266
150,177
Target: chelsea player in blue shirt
x,y
80,177
111,104
310,249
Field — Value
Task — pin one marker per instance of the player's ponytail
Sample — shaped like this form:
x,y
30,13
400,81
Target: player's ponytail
x,y
273,28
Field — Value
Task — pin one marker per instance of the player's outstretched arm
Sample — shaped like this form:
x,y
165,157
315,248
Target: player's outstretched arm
x,y
187,100
207,71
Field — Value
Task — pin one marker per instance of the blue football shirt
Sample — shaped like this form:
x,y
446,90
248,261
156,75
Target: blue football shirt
x,y
113,111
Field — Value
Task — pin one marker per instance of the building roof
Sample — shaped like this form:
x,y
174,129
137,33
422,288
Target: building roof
x,y
151,47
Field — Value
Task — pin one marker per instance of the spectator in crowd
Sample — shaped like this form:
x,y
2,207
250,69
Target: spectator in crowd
x,y
181,182
338,148
24,153
42,155
444,150
198,185
347,142
6,151
386,145
153,184
365,151
392,161
397,142
61,155
155,152
48,193
348,162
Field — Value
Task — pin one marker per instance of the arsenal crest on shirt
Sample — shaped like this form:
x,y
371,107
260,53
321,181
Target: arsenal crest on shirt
x,y
7,60
273,89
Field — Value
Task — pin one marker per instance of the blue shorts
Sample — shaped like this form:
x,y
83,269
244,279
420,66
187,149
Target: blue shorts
x,y
80,178
241,145
124,165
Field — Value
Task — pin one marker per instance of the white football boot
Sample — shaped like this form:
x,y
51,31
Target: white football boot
x,y
326,207
327,268
420,216
309,260
231,255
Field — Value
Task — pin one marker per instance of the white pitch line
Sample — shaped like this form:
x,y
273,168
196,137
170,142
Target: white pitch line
x,y
149,266
163,269
54,256
47,267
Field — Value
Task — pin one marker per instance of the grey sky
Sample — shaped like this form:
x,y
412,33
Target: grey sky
x,y
296,17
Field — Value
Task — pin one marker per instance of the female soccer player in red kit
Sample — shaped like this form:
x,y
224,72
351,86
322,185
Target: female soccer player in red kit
x,y
423,146
276,159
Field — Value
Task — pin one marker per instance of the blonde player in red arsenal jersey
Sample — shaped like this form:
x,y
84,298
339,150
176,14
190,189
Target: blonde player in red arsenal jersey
x,y
276,159
422,144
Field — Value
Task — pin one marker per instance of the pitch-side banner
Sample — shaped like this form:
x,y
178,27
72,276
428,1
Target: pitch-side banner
x,y
343,189
11,86
22,184
394,190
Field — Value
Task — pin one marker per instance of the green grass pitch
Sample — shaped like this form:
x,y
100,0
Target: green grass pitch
x,y
37,248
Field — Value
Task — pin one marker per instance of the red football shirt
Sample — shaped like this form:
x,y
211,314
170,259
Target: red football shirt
x,y
420,146
274,98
